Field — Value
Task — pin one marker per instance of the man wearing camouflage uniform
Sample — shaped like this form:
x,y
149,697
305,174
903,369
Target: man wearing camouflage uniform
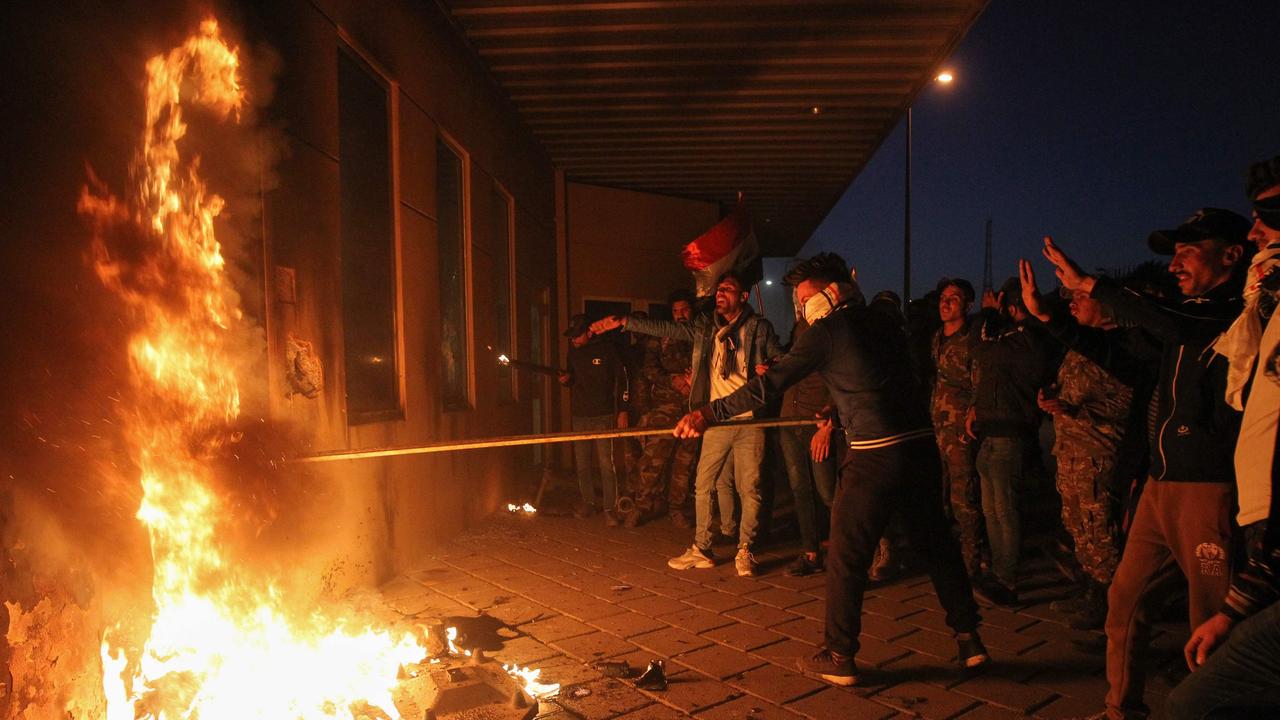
x,y
664,379
952,398
1090,412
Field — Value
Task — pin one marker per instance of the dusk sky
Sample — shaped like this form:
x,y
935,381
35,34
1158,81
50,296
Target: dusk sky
x,y
1095,122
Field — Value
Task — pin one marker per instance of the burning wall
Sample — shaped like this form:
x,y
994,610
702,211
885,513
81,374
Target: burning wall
x,y
75,558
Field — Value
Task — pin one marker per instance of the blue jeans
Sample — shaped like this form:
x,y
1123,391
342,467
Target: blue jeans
x,y
603,450
743,450
999,468
1241,678
804,475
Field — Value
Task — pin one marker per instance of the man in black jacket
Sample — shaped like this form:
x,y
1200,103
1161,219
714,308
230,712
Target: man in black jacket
x,y
1183,520
597,374
892,465
1012,366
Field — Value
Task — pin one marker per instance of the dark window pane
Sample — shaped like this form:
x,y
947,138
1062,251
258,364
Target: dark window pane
x,y
502,287
368,271
453,277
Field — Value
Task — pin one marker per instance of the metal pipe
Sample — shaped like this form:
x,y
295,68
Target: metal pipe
x,y
518,440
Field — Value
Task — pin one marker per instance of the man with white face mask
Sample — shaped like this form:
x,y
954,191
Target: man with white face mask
x,y
892,465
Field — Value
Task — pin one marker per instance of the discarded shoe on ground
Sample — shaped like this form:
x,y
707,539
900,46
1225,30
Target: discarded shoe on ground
x,y
654,677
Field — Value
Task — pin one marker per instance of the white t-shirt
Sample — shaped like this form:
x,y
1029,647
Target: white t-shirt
x,y
724,386
1256,446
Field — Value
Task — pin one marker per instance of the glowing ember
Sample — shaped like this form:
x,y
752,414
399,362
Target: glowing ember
x,y
526,508
222,645
535,689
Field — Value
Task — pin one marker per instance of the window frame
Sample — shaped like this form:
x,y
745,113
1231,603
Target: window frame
x,y
513,322
468,294
380,75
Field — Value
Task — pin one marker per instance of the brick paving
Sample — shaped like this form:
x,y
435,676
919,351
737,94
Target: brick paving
x,y
574,592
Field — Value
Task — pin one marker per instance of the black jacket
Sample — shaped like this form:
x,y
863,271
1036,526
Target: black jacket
x,y
1194,430
1013,365
862,357
598,375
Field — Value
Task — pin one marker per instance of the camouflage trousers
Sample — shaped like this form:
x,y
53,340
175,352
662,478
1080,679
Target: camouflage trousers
x,y
661,477
1088,512
964,494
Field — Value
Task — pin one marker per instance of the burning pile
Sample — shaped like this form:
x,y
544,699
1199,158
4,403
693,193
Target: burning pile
x,y
221,643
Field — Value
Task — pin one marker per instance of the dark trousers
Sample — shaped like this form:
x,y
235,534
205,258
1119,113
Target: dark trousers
x,y
805,475
1241,678
873,485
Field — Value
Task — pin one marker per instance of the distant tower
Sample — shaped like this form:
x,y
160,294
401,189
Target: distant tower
x,y
986,261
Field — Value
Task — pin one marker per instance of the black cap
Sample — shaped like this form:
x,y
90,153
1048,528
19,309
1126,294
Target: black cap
x,y
1207,223
577,325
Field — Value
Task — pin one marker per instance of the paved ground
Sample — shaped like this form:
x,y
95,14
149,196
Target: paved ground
x,y
574,592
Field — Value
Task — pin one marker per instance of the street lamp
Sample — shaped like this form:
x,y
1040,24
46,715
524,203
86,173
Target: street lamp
x,y
943,78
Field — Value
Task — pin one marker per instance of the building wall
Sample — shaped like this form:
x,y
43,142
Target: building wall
x,y
380,516
626,245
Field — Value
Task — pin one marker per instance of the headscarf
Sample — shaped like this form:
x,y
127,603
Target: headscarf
x,y
1239,344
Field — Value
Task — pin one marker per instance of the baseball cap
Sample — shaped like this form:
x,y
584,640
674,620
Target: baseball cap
x,y
577,325
1207,223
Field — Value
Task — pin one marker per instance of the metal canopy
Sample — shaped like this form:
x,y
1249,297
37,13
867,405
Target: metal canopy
x,y
784,100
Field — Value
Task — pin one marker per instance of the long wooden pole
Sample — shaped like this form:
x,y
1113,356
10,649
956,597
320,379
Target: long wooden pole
x,y
518,440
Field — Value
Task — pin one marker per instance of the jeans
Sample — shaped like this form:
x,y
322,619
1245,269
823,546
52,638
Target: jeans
x,y
804,475
875,484
743,450
582,451
999,468
1241,678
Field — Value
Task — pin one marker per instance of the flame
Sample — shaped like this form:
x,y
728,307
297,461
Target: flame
x,y
535,689
526,508
221,644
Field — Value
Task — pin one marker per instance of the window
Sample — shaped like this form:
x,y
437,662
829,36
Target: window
x,y
504,288
451,184
368,242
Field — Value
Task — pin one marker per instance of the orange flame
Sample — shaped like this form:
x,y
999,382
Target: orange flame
x,y
221,645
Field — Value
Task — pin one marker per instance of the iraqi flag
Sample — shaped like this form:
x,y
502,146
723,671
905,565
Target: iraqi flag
x,y
729,245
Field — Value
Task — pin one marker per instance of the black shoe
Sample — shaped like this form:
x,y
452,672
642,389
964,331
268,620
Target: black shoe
x,y
995,592
1071,605
1093,611
804,566
835,669
681,520
971,654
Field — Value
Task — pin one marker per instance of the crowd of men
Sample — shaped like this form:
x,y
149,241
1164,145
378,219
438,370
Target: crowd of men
x,y
1163,406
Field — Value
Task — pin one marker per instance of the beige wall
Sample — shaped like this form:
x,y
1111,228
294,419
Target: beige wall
x,y
626,244
380,516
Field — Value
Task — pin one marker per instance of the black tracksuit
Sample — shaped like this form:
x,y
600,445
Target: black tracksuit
x,y
892,465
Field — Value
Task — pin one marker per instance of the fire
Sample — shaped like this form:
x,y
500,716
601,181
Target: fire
x,y
535,689
526,508
221,643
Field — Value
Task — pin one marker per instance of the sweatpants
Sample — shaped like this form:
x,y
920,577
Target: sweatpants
x,y
1178,526
873,485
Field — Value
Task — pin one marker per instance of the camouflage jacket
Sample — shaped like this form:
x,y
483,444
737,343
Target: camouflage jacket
x,y
1101,408
956,378
664,358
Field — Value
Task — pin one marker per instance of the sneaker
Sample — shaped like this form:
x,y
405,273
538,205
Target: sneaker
x,y
745,563
995,592
803,566
971,654
631,518
692,558
826,665
883,565
680,520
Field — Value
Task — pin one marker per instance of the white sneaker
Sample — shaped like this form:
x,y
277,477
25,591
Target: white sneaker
x,y
745,562
692,558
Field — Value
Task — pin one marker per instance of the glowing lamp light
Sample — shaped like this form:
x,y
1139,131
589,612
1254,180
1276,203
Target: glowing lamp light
x,y
945,77
768,282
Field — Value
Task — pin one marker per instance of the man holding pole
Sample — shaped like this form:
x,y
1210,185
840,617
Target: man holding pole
x,y
727,346
861,355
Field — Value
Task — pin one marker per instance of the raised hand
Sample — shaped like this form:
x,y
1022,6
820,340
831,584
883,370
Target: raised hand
x,y
1031,293
1068,272
989,300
